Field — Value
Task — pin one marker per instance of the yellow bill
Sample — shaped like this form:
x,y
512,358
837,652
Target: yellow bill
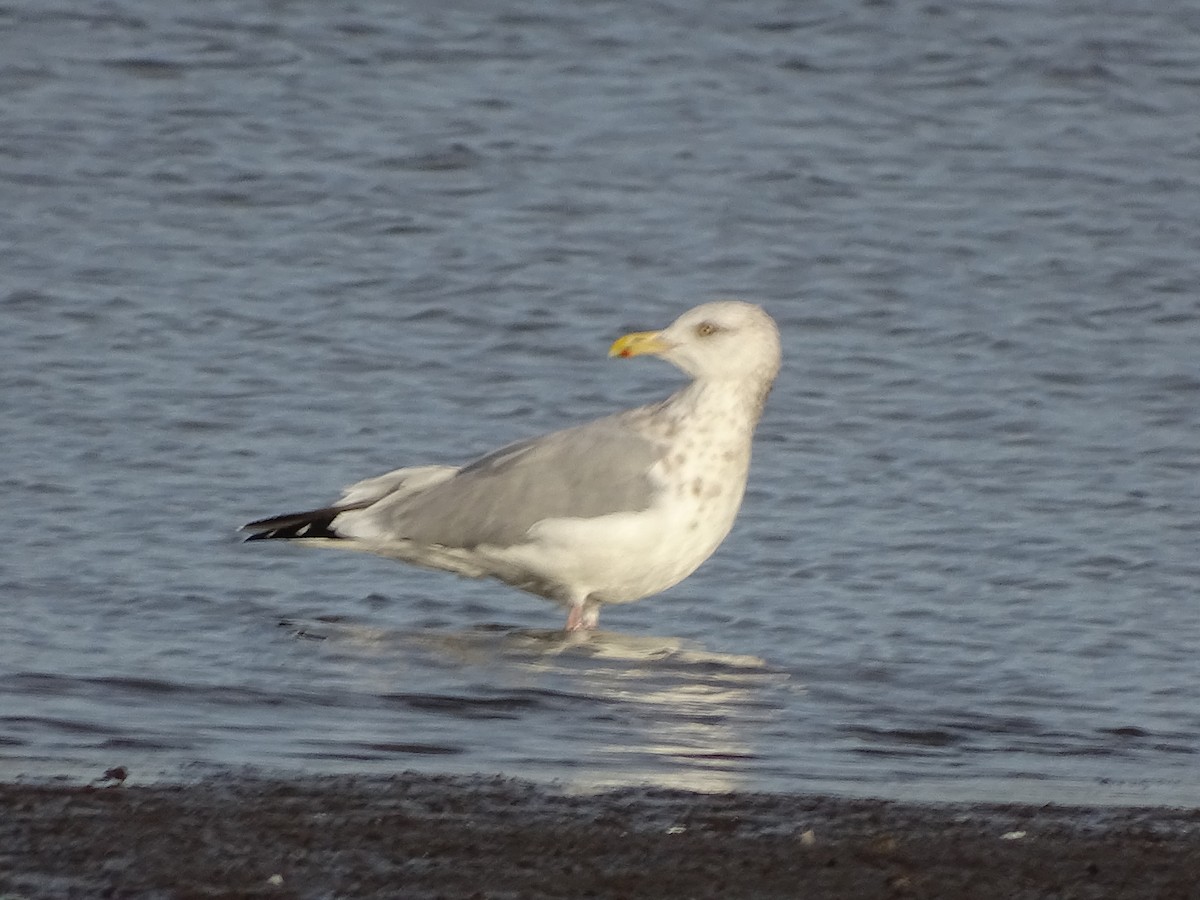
x,y
638,344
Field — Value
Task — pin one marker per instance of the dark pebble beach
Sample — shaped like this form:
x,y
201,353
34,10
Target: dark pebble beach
x,y
424,836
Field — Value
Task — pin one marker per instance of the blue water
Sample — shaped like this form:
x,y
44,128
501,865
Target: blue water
x,y
250,253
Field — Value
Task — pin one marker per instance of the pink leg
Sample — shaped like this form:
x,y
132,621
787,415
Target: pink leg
x,y
581,618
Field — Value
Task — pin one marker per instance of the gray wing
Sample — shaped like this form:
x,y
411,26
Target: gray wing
x,y
591,470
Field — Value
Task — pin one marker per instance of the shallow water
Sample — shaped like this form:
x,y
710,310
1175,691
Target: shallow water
x,y
251,254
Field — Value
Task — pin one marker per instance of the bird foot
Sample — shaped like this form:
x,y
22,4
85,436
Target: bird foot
x,y
581,619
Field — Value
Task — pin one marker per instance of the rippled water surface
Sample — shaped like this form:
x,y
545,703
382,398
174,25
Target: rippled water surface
x,y
252,252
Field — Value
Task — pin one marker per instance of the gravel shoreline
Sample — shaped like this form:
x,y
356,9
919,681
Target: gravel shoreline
x,y
426,836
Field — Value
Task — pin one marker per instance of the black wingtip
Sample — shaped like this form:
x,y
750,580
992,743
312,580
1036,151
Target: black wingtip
x,y
314,523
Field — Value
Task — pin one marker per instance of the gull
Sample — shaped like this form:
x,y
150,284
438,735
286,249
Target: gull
x,y
609,511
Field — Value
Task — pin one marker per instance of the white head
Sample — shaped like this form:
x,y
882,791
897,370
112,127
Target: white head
x,y
725,340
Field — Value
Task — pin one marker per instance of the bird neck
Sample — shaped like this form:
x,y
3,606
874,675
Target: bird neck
x,y
739,402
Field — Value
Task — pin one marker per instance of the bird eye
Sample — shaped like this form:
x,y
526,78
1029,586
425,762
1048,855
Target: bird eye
x,y
704,329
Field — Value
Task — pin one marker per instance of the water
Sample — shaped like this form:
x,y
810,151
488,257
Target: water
x,y
250,253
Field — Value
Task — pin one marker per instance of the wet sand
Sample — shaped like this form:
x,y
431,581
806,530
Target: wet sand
x,y
424,836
